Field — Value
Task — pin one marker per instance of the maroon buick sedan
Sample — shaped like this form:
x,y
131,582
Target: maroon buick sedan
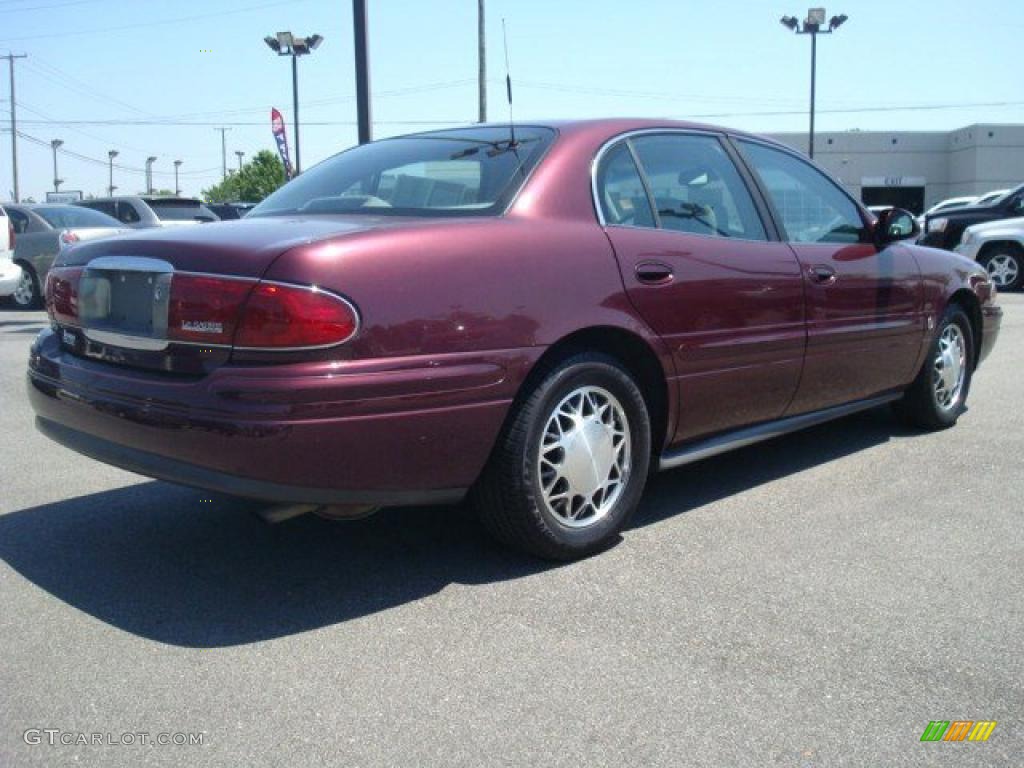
x,y
535,321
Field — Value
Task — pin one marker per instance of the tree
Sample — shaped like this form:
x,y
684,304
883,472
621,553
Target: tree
x,y
254,181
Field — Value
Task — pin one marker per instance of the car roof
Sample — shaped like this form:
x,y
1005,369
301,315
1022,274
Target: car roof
x,y
613,126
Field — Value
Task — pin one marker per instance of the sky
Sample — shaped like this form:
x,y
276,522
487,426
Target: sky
x,y
157,78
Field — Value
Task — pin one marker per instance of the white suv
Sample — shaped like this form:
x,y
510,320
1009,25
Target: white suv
x,y
10,273
999,247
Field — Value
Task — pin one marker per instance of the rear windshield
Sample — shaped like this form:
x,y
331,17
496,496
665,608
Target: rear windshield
x,y
72,217
168,210
472,171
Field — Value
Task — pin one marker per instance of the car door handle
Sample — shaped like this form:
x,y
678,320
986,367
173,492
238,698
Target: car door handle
x,y
822,274
653,272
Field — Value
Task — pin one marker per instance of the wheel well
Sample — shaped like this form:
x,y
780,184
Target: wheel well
x,y
965,299
633,353
1013,245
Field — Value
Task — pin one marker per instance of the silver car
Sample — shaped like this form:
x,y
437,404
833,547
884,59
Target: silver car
x,y
41,231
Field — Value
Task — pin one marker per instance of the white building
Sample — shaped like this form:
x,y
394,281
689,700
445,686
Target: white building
x,y
916,169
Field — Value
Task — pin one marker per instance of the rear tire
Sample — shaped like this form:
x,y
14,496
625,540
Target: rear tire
x,y
1005,267
27,295
571,463
939,393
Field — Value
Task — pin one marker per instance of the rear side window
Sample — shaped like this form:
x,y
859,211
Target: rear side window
x,y
19,221
102,207
696,187
126,212
621,192
812,208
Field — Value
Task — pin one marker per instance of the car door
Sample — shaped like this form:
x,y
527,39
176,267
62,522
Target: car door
x,y
36,241
701,268
865,324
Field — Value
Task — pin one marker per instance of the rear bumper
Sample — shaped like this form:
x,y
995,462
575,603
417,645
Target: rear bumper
x,y
397,431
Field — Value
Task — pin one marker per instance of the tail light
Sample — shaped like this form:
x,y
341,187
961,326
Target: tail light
x,y
279,317
68,238
205,309
62,294
224,311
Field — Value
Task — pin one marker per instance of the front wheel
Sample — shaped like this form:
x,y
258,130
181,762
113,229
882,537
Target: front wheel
x,y
570,466
1005,268
939,393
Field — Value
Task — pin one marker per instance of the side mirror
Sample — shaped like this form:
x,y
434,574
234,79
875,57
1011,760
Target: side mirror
x,y
895,224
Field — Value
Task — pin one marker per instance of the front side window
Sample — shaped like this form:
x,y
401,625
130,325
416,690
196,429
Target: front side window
x,y
696,187
811,207
474,171
19,221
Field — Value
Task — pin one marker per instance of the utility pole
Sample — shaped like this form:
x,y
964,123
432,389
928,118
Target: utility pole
x,y
481,45
362,52
223,151
149,175
239,154
14,122
112,154
56,144
177,188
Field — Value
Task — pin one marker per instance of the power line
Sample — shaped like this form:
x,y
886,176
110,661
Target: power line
x,y
145,24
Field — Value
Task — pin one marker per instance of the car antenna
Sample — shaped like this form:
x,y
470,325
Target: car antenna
x,y
508,88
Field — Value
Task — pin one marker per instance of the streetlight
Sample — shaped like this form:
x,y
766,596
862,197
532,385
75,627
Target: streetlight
x,y
286,44
112,154
813,26
149,175
56,144
240,154
177,189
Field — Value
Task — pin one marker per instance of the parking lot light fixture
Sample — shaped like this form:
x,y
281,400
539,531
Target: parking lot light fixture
x,y
56,144
813,26
287,44
111,155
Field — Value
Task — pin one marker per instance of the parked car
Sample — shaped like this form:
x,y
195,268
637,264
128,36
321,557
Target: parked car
x,y
230,211
42,231
10,273
534,323
944,205
944,230
990,197
143,212
999,247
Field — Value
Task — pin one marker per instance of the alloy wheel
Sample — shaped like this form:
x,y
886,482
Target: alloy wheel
x,y
949,367
25,293
1003,269
584,459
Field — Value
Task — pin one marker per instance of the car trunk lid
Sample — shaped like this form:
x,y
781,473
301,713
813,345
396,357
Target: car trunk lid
x,y
170,300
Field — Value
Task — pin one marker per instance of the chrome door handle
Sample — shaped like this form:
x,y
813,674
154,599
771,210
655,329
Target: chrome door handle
x,y
822,274
653,272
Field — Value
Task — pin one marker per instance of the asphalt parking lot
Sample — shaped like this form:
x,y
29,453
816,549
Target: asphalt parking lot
x,y
812,601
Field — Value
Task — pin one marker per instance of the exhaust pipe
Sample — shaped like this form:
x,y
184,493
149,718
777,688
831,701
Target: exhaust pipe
x,y
278,513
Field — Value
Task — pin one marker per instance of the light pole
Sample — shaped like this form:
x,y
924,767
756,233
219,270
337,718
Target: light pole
x,y
112,154
177,189
287,44
223,152
813,26
481,56
56,144
239,154
149,175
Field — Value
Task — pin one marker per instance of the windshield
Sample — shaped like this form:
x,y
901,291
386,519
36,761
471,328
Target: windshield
x,y
473,171
168,210
73,217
